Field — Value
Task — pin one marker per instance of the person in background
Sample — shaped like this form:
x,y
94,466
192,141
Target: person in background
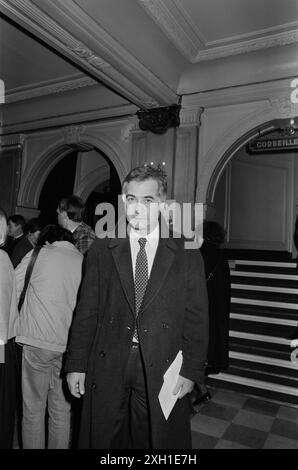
x,y
219,292
16,224
43,328
70,216
8,320
26,243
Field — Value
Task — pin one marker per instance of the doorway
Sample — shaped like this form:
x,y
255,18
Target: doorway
x,y
89,175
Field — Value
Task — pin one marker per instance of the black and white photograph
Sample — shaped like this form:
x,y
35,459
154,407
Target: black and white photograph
x,y
148,229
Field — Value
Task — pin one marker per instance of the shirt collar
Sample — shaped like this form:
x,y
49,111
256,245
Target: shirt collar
x,y
151,237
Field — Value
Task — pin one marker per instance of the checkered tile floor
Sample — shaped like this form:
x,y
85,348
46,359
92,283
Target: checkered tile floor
x,y
235,421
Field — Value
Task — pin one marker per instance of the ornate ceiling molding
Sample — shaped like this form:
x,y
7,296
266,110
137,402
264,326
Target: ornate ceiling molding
x,y
16,140
274,40
127,76
191,116
116,112
176,23
81,51
50,89
172,27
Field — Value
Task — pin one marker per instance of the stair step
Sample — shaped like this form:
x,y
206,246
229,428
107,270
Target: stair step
x,y
271,264
248,346
263,269
266,390
252,374
263,275
276,282
264,311
263,302
262,319
265,288
266,330
270,372
256,383
264,338
288,364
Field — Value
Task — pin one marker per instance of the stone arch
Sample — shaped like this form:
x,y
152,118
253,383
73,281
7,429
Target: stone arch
x,y
212,164
35,177
230,152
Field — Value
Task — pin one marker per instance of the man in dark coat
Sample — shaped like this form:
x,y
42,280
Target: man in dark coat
x,y
120,346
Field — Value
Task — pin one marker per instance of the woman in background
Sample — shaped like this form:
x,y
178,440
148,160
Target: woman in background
x,y
218,286
8,319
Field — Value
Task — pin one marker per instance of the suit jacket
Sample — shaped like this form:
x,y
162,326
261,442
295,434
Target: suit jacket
x,y
173,316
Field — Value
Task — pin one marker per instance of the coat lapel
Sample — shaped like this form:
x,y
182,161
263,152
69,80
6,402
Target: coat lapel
x,y
163,261
122,257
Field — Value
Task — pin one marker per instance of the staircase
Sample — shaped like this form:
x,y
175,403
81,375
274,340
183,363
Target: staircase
x,y
264,313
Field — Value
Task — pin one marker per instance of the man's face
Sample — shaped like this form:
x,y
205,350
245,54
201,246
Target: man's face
x,y
14,230
142,203
62,218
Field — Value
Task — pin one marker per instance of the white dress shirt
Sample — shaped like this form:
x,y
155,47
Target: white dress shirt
x,y
150,247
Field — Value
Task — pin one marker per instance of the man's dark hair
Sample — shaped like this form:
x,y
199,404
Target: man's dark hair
x,y
143,173
33,225
54,233
213,232
17,220
74,207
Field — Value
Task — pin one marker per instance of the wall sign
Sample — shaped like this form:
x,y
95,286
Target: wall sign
x,y
275,144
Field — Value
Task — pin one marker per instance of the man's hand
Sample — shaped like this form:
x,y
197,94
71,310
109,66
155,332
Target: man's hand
x,y
183,386
76,383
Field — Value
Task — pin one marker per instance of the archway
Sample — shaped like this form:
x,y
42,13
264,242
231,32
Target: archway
x,y
41,162
257,131
252,195
86,172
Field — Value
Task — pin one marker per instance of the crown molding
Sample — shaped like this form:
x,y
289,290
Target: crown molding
x,y
114,112
12,140
238,94
127,76
176,23
171,24
274,40
49,89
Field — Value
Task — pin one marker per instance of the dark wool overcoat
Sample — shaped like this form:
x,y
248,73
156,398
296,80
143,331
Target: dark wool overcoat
x,y
219,295
173,317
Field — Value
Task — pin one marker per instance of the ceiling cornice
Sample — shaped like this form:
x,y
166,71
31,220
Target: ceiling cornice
x,y
274,40
104,114
52,88
127,76
172,18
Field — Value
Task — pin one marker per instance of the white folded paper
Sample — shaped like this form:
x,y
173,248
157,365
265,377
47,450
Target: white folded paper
x,y
166,397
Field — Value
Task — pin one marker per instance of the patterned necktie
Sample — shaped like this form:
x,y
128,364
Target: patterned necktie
x,y
141,274
141,280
